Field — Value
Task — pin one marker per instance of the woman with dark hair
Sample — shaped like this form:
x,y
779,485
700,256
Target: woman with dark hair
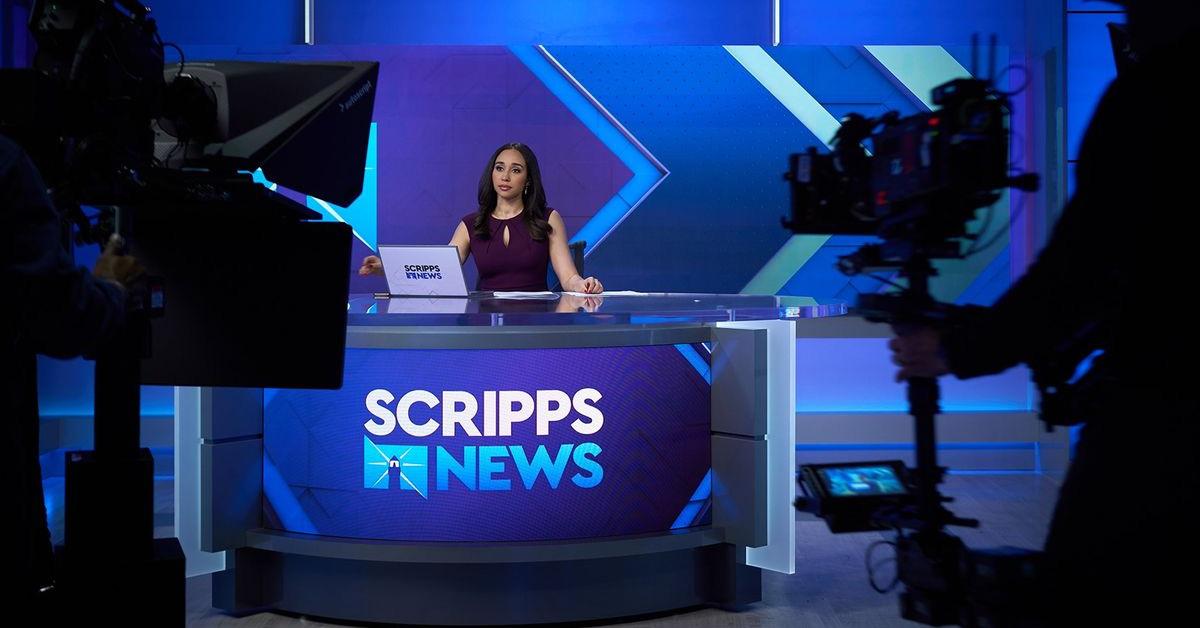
x,y
513,235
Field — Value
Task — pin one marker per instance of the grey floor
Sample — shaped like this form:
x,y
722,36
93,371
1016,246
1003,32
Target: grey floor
x,y
829,587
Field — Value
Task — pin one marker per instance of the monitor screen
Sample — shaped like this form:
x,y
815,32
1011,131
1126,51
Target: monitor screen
x,y
862,480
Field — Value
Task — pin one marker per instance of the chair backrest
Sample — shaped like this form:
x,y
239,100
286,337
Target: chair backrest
x,y
576,257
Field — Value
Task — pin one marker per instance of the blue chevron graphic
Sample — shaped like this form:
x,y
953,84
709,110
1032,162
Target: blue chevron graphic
x,y
281,498
699,363
647,171
779,275
701,501
721,134
918,69
797,251
361,214
797,100
803,263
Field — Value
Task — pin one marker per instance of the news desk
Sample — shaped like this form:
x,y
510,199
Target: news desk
x,y
502,461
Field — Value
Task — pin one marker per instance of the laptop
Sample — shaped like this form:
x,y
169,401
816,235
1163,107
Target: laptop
x,y
427,305
423,271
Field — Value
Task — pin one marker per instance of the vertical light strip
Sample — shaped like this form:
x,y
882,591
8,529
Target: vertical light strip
x,y
779,554
189,408
775,23
310,18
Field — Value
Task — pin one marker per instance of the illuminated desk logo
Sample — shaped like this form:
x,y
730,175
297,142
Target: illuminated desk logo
x,y
482,467
406,467
396,467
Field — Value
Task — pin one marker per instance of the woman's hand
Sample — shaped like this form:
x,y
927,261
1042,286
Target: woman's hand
x,y
572,303
590,285
371,265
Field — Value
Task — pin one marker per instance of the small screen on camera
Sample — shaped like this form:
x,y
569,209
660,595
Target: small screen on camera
x,y
861,481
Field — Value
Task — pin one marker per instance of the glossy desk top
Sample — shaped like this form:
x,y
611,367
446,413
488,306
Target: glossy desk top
x,y
486,309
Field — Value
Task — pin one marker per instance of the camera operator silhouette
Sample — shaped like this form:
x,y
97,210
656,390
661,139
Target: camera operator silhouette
x,y
1109,280
50,308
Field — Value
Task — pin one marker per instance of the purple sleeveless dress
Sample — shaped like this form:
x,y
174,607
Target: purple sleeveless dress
x,y
522,265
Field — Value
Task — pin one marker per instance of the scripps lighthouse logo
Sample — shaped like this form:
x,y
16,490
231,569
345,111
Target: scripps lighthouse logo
x,y
553,415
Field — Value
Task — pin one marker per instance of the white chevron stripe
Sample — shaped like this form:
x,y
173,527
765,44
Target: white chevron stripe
x,y
919,69
787,91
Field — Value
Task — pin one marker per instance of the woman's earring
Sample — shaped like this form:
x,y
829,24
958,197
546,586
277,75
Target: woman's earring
x,y
527,189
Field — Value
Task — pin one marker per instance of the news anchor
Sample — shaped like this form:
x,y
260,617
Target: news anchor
x,y
513,235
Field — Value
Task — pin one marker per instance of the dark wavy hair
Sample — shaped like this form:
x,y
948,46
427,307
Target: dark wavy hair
x,y
536,213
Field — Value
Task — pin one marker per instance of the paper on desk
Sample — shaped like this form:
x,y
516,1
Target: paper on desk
x,y
544,296
609,293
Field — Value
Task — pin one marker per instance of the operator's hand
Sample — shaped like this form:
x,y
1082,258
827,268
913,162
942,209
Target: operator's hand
x,y
371,265
918,353
116,267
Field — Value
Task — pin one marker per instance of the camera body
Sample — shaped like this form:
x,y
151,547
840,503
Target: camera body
x,y
915,188
917,191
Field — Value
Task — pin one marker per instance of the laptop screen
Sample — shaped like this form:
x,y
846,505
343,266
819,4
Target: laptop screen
x,y
413,270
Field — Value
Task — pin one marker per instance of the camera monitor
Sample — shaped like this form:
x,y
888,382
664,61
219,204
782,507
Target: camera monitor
x,y
255,294
305,124
850,495
861,480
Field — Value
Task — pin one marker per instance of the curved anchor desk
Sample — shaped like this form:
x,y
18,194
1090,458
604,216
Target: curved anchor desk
x,y
498,461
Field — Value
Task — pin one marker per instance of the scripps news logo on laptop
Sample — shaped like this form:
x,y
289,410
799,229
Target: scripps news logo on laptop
x,y
422,271
496,465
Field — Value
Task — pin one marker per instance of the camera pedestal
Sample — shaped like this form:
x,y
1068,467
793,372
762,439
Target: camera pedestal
x,y
111,564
